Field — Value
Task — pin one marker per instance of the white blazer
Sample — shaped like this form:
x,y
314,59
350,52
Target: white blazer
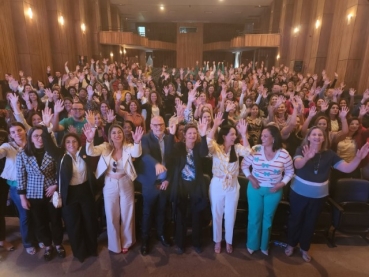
x,y
105,150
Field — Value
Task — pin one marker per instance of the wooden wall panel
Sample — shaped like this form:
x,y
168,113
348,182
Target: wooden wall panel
x,y
285,25
214,32
8,45
190,45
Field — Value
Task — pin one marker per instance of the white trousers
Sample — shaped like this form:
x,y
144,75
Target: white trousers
x,y
120,213
223,202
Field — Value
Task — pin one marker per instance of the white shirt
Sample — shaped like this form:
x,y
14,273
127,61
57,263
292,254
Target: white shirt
x,y
79,175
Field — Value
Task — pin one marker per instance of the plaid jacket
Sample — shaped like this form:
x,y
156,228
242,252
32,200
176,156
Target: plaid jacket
x,y
32,179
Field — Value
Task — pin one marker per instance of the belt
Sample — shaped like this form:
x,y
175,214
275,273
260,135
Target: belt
x,y
115,175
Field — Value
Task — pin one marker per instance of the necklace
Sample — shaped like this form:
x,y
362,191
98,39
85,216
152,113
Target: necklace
x,y
316,166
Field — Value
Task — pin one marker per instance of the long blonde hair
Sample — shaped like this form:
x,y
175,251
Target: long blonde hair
x,y
109,135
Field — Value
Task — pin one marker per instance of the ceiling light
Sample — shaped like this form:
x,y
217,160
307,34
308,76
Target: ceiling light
x,y
296,30
124,51
111,54
120,52
278,57
317,24
83,27
61,20
162,8
30,13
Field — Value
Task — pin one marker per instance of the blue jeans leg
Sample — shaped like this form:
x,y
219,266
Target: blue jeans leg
x,y
24,219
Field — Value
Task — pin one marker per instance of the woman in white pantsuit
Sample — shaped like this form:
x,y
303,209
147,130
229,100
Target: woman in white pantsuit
x,y
224,187
116,163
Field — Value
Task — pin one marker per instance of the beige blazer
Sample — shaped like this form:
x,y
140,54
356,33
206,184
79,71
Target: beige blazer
x,y
105,150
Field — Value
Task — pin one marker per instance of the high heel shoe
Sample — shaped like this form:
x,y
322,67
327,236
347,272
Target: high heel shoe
x,y
229,248
250,251
217,248
7,246
125,250
265,252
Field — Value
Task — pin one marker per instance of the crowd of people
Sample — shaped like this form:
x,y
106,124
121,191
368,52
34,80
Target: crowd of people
x,y
117,124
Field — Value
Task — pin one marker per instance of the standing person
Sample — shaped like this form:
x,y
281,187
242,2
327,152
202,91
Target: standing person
x,y
36,185
269,161
77,186
309,189
116,163
9,150
152,174
4,189
188,184
224,186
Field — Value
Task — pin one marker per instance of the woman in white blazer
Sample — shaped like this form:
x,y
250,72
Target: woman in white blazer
x,y
116,163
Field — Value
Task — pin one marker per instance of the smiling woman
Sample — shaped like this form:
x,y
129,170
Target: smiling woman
x,y
188,184
313,162
116,163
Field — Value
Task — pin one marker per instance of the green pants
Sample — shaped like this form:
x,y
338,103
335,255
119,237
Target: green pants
x,y
262,205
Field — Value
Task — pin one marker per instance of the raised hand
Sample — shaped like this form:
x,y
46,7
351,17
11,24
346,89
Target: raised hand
x,y
118,95
202,126
218,119
47,116
89,132
110,117
308,152
352,92
363,152
343,112
324,106
312,112
166,90
51,79
242,127
25,96
21,73
230,106
137,135
90,92
90,117
13,98
172,129
49,93
59,106
197,85
192,96
363,110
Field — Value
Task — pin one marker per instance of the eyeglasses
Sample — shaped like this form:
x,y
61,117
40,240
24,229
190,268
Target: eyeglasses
x,y
157,125
115,166
36,136
77,109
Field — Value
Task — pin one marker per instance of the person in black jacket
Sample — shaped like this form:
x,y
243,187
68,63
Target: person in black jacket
x,y
188,184
77,186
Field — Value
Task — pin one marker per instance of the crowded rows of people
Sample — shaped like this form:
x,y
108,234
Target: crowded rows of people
x,y
116,124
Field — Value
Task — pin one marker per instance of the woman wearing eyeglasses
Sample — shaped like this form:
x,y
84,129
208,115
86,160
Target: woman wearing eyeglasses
x,y
116,163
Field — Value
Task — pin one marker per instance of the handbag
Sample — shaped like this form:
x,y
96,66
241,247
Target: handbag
x,y
57,200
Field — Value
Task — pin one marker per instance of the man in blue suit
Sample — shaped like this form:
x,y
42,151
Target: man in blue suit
x,y
152,174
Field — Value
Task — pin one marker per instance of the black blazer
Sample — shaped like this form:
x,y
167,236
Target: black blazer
x,y
151,155
67,165
198,192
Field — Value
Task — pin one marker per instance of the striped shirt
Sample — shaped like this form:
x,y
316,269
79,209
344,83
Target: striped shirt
x,y
268,172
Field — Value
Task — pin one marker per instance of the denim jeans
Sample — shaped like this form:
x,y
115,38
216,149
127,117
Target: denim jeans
x,y
24,219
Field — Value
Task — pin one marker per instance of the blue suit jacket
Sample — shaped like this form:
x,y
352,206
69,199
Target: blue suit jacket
x,y
151,155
